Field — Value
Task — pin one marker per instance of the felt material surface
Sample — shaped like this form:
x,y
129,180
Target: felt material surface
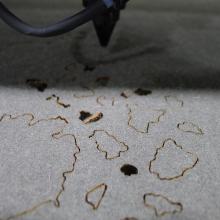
x,y
61,168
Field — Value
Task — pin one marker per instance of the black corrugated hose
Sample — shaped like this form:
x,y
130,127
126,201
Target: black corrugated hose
x,y
61,27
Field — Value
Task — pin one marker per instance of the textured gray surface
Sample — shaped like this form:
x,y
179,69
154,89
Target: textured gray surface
x,y
176,55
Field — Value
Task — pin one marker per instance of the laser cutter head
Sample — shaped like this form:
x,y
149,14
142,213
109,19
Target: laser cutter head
x,y
105,22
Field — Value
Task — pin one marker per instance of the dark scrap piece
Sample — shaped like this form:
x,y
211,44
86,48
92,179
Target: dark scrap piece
x,y
142,92
89,68
126,94
129,170
37,83
87,117
84,115
123,94
130,218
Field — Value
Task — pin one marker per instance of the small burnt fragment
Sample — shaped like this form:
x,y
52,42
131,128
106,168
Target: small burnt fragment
x,y
103,80
129,170
123,94
50,98
130,218
89,68
87,117
84,115
93,118
142,92
126,94
37,83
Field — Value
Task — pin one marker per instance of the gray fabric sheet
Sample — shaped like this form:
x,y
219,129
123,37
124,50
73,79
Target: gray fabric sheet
x,y
51,169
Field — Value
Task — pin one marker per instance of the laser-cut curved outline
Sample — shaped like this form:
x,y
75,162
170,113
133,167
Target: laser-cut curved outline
x,y
60,135
57,98
85,96
31,121
157,213
195,161
199,130
149,123
31,210
105,152
99,98
56,135
96,206
175,98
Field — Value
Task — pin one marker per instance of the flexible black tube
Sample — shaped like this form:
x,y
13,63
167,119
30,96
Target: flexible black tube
x,y
61,27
